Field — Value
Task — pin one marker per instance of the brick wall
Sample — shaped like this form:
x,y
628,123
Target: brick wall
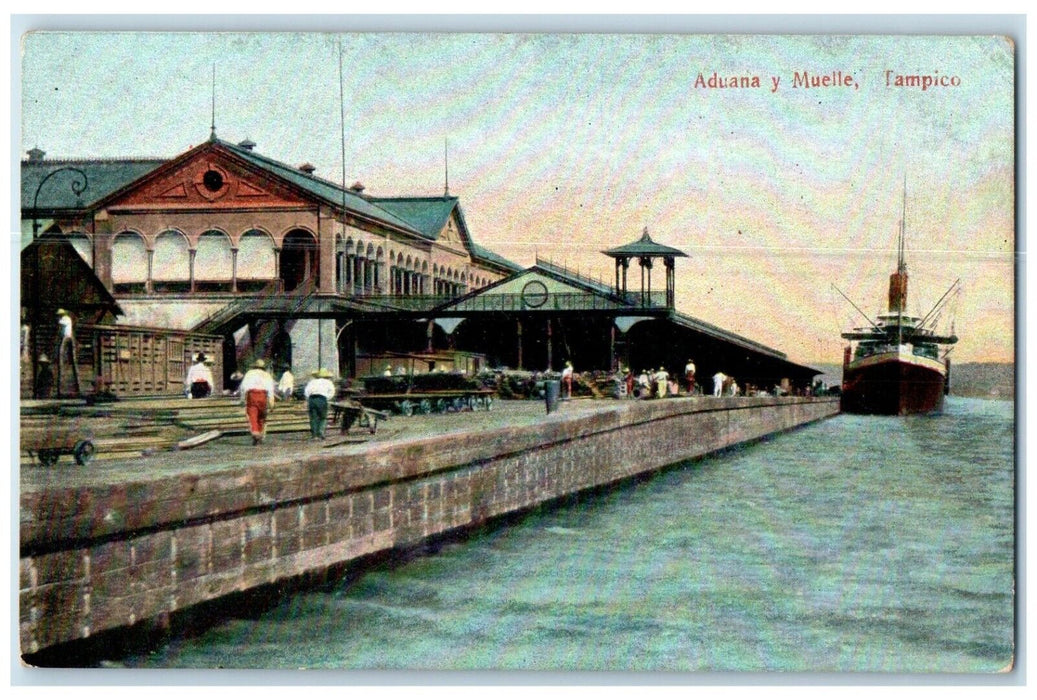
x,y
100,558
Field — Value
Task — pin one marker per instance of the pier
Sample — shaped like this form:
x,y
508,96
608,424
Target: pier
x,y
108,546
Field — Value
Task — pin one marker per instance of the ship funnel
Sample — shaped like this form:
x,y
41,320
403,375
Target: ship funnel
x,y
898,291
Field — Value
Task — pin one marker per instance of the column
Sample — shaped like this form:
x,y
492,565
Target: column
x,y
191,253
148,286
518,334
550,348
234,269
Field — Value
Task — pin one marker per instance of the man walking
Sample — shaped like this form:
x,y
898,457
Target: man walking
x,y
199,378
257,393
319,392
286,386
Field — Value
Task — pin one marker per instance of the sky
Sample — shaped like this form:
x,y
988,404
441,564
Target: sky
x,y
564,145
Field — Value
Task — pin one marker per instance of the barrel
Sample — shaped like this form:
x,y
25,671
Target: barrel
x,y
552,392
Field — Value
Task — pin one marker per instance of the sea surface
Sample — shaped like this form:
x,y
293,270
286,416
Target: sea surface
x,y
854,544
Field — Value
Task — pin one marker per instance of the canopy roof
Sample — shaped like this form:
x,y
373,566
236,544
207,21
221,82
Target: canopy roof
x,y
644,248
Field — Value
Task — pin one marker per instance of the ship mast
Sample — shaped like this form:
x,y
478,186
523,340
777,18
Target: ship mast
x,y
901,263
898,280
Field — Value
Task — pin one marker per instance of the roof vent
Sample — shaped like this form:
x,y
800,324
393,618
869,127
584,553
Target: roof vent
x,y
36,155
308,168
357,187
247,144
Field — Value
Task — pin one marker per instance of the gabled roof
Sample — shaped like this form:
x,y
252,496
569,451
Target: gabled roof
x,y
427,214
69,281
430,214
102,178
572,277
421,216
325,190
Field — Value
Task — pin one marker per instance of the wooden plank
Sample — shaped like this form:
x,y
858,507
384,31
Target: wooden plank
x,y
198,440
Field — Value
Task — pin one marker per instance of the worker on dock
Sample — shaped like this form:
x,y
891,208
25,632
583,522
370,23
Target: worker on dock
x,y
198,383
567,381
286,386
319,392
257,393
689,375
662,379
644,386
718,384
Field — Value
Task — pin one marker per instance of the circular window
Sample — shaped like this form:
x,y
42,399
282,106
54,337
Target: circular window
x,y
534,294
212,180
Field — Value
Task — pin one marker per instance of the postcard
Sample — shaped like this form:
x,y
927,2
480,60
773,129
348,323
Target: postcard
x,y
497,351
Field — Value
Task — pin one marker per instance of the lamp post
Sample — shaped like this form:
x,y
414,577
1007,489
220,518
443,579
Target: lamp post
x,y
78,187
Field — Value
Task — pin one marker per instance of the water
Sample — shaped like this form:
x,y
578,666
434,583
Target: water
x,y
856,544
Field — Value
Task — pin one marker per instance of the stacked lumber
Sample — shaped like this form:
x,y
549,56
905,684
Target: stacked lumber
x,y
228,416
113,437
137,427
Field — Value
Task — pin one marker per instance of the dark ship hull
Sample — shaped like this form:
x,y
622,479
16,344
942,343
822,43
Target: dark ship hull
x,y
893,384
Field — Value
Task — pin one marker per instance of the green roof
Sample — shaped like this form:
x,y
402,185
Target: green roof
x,y
427,214
422,216
102,178
487,255
326,190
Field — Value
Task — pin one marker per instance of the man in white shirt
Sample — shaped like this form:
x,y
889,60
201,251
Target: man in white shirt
x,y
661,378
257,393
689,376
286,386
319,391
718,384
567,381
199,383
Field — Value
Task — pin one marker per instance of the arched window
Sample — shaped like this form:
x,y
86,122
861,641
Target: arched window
x,y
379,264
300,262
171,261
255,257
129,262
213,259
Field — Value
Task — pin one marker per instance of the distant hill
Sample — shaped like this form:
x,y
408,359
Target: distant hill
x,y
984,380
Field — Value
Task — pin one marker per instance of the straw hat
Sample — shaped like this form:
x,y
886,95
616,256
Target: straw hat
x,y
326,374
259,364
62,312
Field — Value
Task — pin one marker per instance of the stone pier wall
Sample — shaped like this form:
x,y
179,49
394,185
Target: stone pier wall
x,y
104,557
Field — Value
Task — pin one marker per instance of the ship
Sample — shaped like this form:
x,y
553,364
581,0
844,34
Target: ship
x,y
898,364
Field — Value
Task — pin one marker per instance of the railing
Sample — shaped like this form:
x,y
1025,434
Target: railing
x,y
399,302
577,301
549,264
201,287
